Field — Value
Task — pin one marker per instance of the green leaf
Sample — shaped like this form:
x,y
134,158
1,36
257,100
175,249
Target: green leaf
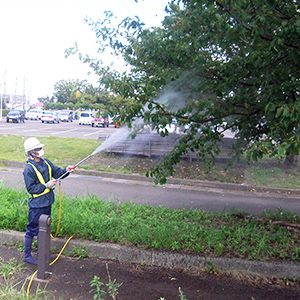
x,y
281,152
286,112
279,112
296,149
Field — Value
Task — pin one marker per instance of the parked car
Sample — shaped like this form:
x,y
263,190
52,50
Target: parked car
x,y
50,117
34,114
104,122
65,116
86,118
16,116
171,128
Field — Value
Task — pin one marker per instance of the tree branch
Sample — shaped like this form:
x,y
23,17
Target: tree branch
x,y
280,223
270,39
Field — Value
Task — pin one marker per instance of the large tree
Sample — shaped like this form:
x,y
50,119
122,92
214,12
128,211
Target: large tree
x,y
65,91
211,64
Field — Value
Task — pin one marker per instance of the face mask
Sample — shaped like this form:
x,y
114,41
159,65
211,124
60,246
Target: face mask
x,y
40,153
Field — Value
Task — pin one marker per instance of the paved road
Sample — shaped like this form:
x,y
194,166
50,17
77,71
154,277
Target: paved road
x,y
173,196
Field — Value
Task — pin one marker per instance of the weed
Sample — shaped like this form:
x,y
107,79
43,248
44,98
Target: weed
x,y
10,290
8,270
210,269
20,246
282,215
96,290
181,295
112,287
54,250
80,252
35,245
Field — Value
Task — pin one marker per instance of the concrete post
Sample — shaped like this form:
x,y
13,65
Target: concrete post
x,y
44,246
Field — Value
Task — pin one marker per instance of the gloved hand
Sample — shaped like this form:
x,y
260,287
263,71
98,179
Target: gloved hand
x,y
50,184
70,168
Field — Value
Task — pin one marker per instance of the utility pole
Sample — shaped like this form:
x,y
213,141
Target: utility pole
x,y
1,108
16,85
1,97
24,97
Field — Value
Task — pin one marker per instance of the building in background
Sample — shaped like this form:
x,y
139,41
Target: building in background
x,y
16,101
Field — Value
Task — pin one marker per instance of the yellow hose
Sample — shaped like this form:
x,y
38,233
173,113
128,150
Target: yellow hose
x,y
59,211
29,285
61,251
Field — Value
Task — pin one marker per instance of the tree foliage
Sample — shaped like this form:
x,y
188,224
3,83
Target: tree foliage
x,y
211,64
81,94
66,91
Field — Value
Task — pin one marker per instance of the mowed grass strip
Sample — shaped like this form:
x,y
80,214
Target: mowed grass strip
x,y
58,150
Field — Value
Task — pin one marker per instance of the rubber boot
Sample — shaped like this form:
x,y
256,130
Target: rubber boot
x,y
27,256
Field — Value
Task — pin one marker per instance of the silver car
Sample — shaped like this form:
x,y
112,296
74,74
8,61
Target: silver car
x,y
50,117
66,116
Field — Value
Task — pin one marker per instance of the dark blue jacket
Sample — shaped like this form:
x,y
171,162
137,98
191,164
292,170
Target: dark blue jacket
x,y
34,186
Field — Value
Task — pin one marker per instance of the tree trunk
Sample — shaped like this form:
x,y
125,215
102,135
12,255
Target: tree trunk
x,y
292,161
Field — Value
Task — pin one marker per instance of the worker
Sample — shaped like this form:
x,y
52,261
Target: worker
x,y
40,178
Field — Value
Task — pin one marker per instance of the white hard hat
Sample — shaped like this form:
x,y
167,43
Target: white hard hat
x,y
32,143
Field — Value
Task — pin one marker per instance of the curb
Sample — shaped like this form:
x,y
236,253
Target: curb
x,y
167,259
211,185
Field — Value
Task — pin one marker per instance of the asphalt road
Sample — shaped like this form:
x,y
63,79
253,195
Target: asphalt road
x,y
140,192
173,196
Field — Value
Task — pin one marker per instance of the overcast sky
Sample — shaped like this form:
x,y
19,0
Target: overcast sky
x,y
35,33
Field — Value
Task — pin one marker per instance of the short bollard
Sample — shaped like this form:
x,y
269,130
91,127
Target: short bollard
x,y
44,246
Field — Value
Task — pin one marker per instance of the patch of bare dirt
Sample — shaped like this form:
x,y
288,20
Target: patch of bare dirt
x,y
185,169
71,279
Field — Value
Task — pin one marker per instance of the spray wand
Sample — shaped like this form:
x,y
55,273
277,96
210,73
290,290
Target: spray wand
x,y
121,135
75,166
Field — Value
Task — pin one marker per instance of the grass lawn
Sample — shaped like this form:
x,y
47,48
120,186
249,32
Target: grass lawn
x,y
63,151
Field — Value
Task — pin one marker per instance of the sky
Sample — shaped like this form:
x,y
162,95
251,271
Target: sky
x,y
35,33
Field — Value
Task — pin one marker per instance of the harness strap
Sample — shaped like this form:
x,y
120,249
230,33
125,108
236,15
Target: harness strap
x,y
41,179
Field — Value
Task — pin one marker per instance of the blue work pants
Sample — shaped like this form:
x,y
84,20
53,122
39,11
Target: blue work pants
x,y
32,228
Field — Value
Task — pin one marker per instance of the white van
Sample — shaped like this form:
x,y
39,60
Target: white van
x,y
34,114
86,118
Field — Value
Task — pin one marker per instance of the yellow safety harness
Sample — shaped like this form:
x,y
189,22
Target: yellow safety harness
x,y
41,179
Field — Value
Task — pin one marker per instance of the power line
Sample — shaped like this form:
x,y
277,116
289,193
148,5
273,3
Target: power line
x,y
126,8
